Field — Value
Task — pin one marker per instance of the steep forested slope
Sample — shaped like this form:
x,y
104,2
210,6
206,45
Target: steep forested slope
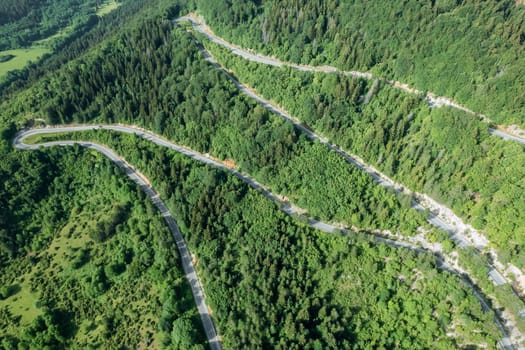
x,y
275,283
23,22
85,258
270,281
154,76
11,11
439,151
469,50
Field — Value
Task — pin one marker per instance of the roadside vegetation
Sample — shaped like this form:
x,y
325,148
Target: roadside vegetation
x,y
471,51
85,258
87,261
443,152
179,95
290,286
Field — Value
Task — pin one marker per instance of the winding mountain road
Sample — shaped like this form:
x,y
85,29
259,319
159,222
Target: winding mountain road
x,y
439,216
199,25
141,180
196,287
455,227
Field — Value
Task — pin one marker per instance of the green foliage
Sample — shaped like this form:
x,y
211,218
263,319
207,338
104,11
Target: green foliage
x,y
64,287
272,282
106,227
12,10
19,59
8,290
23,22
183,334
85,36
71,223
178,94
471,51
6,57
45,332
443,152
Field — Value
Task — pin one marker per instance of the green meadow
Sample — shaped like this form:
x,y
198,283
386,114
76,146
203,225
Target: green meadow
x,y
21,59
23,56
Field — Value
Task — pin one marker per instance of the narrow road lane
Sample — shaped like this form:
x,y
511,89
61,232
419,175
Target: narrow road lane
x,y
141,180
433,100
199,24
506,136
464,235
189,269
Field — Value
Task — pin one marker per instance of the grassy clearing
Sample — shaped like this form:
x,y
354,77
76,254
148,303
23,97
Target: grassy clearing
x,y
98,262
46,42
57,261
21,59
39,138
108,7
42,46
23,303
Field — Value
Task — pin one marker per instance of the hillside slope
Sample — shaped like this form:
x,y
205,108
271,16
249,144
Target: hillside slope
x,y
271,281
471,51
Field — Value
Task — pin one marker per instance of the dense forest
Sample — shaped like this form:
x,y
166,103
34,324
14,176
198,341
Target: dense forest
x,y
85,258
154,76
11,11
288,286
87,261
84,38
439,151
469,50
23,22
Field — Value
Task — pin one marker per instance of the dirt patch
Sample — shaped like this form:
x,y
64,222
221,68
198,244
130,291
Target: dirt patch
x,y
512,129
230,163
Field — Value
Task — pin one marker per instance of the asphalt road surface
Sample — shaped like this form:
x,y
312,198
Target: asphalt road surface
x,y
187,264
189,269
434,101
506,136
